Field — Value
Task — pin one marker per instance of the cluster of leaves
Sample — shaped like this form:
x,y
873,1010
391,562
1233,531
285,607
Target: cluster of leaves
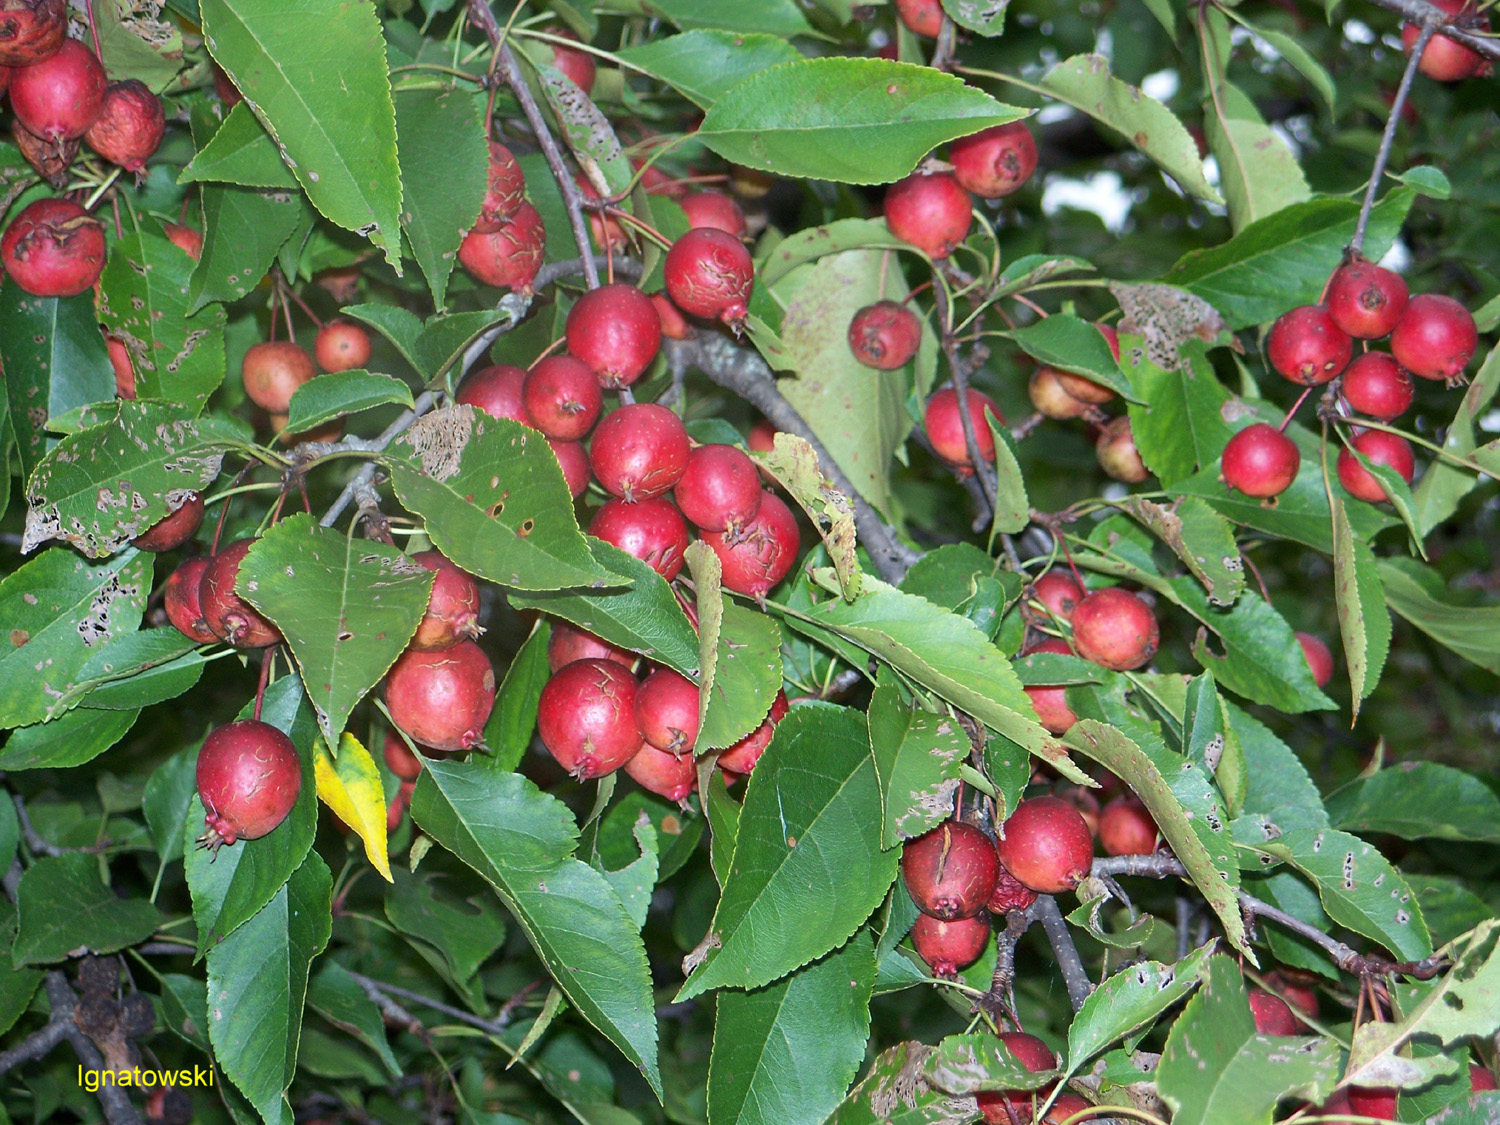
x,y
524,948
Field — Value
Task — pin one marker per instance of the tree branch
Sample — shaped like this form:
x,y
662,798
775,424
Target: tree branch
x,y
1383,156
960,372
1000,998
36,1045
116,1104
1075,976
1422,13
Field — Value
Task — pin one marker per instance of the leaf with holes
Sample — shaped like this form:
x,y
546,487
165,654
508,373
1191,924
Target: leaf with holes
x,y
795,467
1201,538
917,756
1128,1001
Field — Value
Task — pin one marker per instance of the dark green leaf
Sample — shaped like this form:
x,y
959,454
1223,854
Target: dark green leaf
x,y
1178,423
243,229
773,17
704,65
1276,783
62,906
1364,621
1073,344
71,739
1418,800
140,669
168,796
1443,484
1128,1001
508,731
917,755
336,996
465,933
240,152
1417,593
343,392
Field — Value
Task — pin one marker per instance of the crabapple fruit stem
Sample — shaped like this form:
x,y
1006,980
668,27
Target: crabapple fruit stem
x,y
1382,156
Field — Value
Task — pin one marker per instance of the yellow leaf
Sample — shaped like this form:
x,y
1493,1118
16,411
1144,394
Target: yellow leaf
x,y
351,787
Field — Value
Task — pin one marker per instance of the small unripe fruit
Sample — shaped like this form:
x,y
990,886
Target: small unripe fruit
x,y
341,346
921,17
1435,337
1319,658
573,459
640,451
452,607
1443,60
509,256
273,371
948,947
1051,398
995,161
1084,390
714,209
1127,828
496,390
1046,845
186,239
998,1105
615,331
229,616
578,66
129,127
884,335
1051,702
123,365
1307,347
1117,452
763,552
710,274
1272,1016
666,711
442,699
740,758
651,530
31,30
674,325
1261,461
1059,592
1115,629
945,430
950,871
61,96
1381,448
1009,894
248,777
1378,1102
505,192
662,773
172,531
398,756
54,248
180,599
930,211
1377,386
569,643
562,398
719,489
1365,300
586,718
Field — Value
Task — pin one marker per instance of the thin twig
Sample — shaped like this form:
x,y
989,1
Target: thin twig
x,y
1000,998
36,1045
1382,157
981,467
1422,13
1075,976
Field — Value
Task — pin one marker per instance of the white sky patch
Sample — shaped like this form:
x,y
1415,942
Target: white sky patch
x,y
1163,85
1397,258
1102,193
1356,31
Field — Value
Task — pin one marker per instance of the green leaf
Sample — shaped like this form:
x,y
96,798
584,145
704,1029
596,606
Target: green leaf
x,y
521,841
635,882
966,1064
1477,1109
336,125
1085,83
740,656
134,43
1428,179
808,868
1216,1070
513,718
1418,594
1276,782
793,465
1397,493
704,65
895,1092
464,932
1364,621
1257,170
240,152
1178,421
1418,800
723,815
336,996
399,325
917,757
587,131
773,17
339,393
71,739
1128,1001
1201,538
1076,345
857,121
494,500
168,795
1012,506
987,17
831,238
443,339
1293,52
257,982
63,906
758,1073
1443,484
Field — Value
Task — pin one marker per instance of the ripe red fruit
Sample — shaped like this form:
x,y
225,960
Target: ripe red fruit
x,y
1319,659
1035,1056
666,711
1065,1109
921,17
573,459
1260,460
1009,894
945,429
1365,300
1126,827
442,699
586,718
1051,398
639,451
31,30
569,643
1059,592
124,367
714,209
948,947
273,371
224,86
1481,1079
930,211
398,756
652,530
1117,452
452,607
762,437
662,773
341,346
248,778
1300,995
1116,629
996,161
1378,1102
180,599
1443,60
1272,1016
562,397
506,191
61,96
578,66
1435,337
607,232
1377,386
229,616
186,239
719,489
710,274
740,758
1051,702
1382,448
763,552
497,391
396,811
53,249
1307,347
950,871
509,256
674,325
615,330
129,126
884,335
175,529
1046,845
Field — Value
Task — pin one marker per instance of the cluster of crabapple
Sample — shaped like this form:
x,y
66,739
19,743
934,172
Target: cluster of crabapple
x,y
273,370
1431,336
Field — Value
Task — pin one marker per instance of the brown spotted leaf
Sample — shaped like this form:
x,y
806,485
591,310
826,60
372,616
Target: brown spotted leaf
x,y
1201,538
795,467
917,758
1167,317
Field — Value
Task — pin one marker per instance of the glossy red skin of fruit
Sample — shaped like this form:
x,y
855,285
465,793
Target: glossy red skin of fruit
x,y
884,335
1319,658
740,758
950,871
586,718
1117,452
1009,894
272,372
945,430
714,209
248,777
1115,629
1067,1107
764,551
1383,449
662,773
948,947
224,86
31,30
505,192
172,531
762,437
53,248
639,451
1365,300
674,325
509,256
666,711
1035,1056
1377,386
186,239
1443,60
931,211
921,17
995,161
1126,828
562,398
1300,996
181,602
497,391
452,607
1051,702
341,346
61,96
229,616
442,699
1084,390
651,530
719,489
569,643
1260,461
578,66
710,274
1307,347
1046,845
129,126
1435,337
123,365
1272,1015
1378,1102
1060,592
573,459
399,757
1481,1079
1051,398
615,331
